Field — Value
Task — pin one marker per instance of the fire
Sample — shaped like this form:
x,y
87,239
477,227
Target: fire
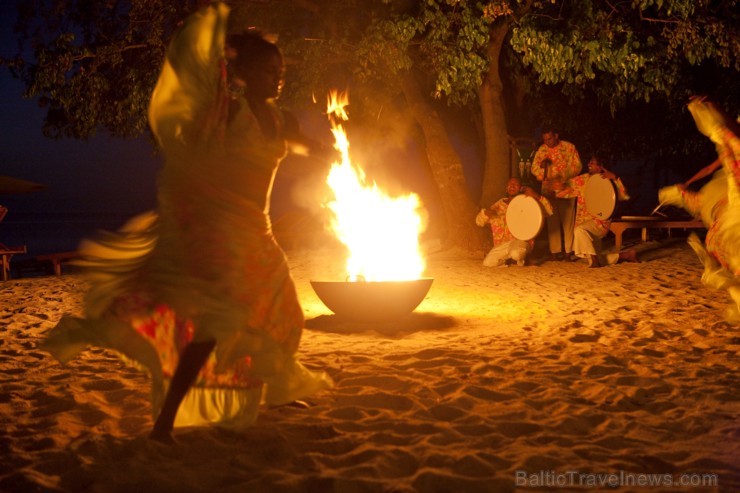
x,y
380,232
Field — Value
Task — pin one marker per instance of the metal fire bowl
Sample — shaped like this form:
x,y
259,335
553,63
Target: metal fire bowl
x,y
372,301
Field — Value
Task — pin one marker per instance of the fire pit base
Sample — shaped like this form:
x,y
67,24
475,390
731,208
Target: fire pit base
x,y
372,301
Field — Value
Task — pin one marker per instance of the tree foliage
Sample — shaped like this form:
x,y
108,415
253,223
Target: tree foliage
x,y
626,51
623,51
93,64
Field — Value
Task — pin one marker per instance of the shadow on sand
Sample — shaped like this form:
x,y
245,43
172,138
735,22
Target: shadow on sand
x,y
397,327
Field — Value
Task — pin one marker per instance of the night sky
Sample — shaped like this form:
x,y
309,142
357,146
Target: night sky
x,y
102,175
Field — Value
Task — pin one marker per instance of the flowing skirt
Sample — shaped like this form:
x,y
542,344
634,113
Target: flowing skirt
x,y
152,293
718,206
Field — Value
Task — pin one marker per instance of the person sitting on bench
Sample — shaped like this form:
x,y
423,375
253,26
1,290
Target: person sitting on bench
x,y
589,228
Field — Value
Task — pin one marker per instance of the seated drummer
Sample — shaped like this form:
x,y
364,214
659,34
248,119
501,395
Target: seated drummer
x,y
588,227
505,246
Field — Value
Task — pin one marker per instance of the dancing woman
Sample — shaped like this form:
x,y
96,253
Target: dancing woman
x,y
717,204
199,294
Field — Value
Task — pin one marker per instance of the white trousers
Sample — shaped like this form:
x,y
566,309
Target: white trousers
x,y
516,250
587,242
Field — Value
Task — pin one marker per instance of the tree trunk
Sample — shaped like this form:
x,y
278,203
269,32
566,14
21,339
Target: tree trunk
x,y
496,168
447,171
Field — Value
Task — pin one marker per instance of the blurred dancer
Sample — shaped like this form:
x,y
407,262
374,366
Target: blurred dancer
x,y
200,294
717,204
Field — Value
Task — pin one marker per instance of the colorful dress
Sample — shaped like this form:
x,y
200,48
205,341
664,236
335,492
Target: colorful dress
x,y
717,204
205,266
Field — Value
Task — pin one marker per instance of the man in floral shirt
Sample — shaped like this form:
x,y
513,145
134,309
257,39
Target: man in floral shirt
x,y
555,162
588,227
505,246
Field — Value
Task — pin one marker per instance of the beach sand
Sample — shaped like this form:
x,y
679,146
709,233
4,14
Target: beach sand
x,y
503,379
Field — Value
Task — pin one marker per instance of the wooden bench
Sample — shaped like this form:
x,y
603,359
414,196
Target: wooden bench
x,y
619,226
56,260
7,253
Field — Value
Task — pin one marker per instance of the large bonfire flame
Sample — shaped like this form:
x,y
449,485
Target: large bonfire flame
x,y
380,232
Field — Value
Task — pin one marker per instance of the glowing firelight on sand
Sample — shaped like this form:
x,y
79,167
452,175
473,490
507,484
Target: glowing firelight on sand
x,y
380,232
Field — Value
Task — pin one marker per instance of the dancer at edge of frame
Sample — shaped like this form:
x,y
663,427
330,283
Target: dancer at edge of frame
x,y
199,294
717,204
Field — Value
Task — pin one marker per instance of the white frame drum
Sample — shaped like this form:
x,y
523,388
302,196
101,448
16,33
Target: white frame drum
x,y
524,217
600,196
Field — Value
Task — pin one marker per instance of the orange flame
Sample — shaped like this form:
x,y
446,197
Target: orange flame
x,y
380,232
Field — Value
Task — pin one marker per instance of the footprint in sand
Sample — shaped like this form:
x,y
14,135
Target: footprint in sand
x,y
134,425
491,395
89,415
351,413
653,353
43,424
518,429
444,412
60,376
47,404
603,370
385,382
585,338
431,480
379,400
525,386
475,430
102,385
34,444
540,463
447,389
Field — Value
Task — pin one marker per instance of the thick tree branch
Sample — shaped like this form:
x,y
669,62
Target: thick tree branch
x,y
662,21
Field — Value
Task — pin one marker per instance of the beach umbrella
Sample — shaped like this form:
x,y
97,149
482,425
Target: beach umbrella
x,y
10,185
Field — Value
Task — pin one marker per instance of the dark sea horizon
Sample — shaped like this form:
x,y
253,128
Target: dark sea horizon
x,y
54,233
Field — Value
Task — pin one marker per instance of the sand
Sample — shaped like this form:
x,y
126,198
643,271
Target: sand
x,y
534,378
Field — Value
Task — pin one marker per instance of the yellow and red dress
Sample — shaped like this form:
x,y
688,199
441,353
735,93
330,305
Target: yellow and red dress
x,y
717,204
205,266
